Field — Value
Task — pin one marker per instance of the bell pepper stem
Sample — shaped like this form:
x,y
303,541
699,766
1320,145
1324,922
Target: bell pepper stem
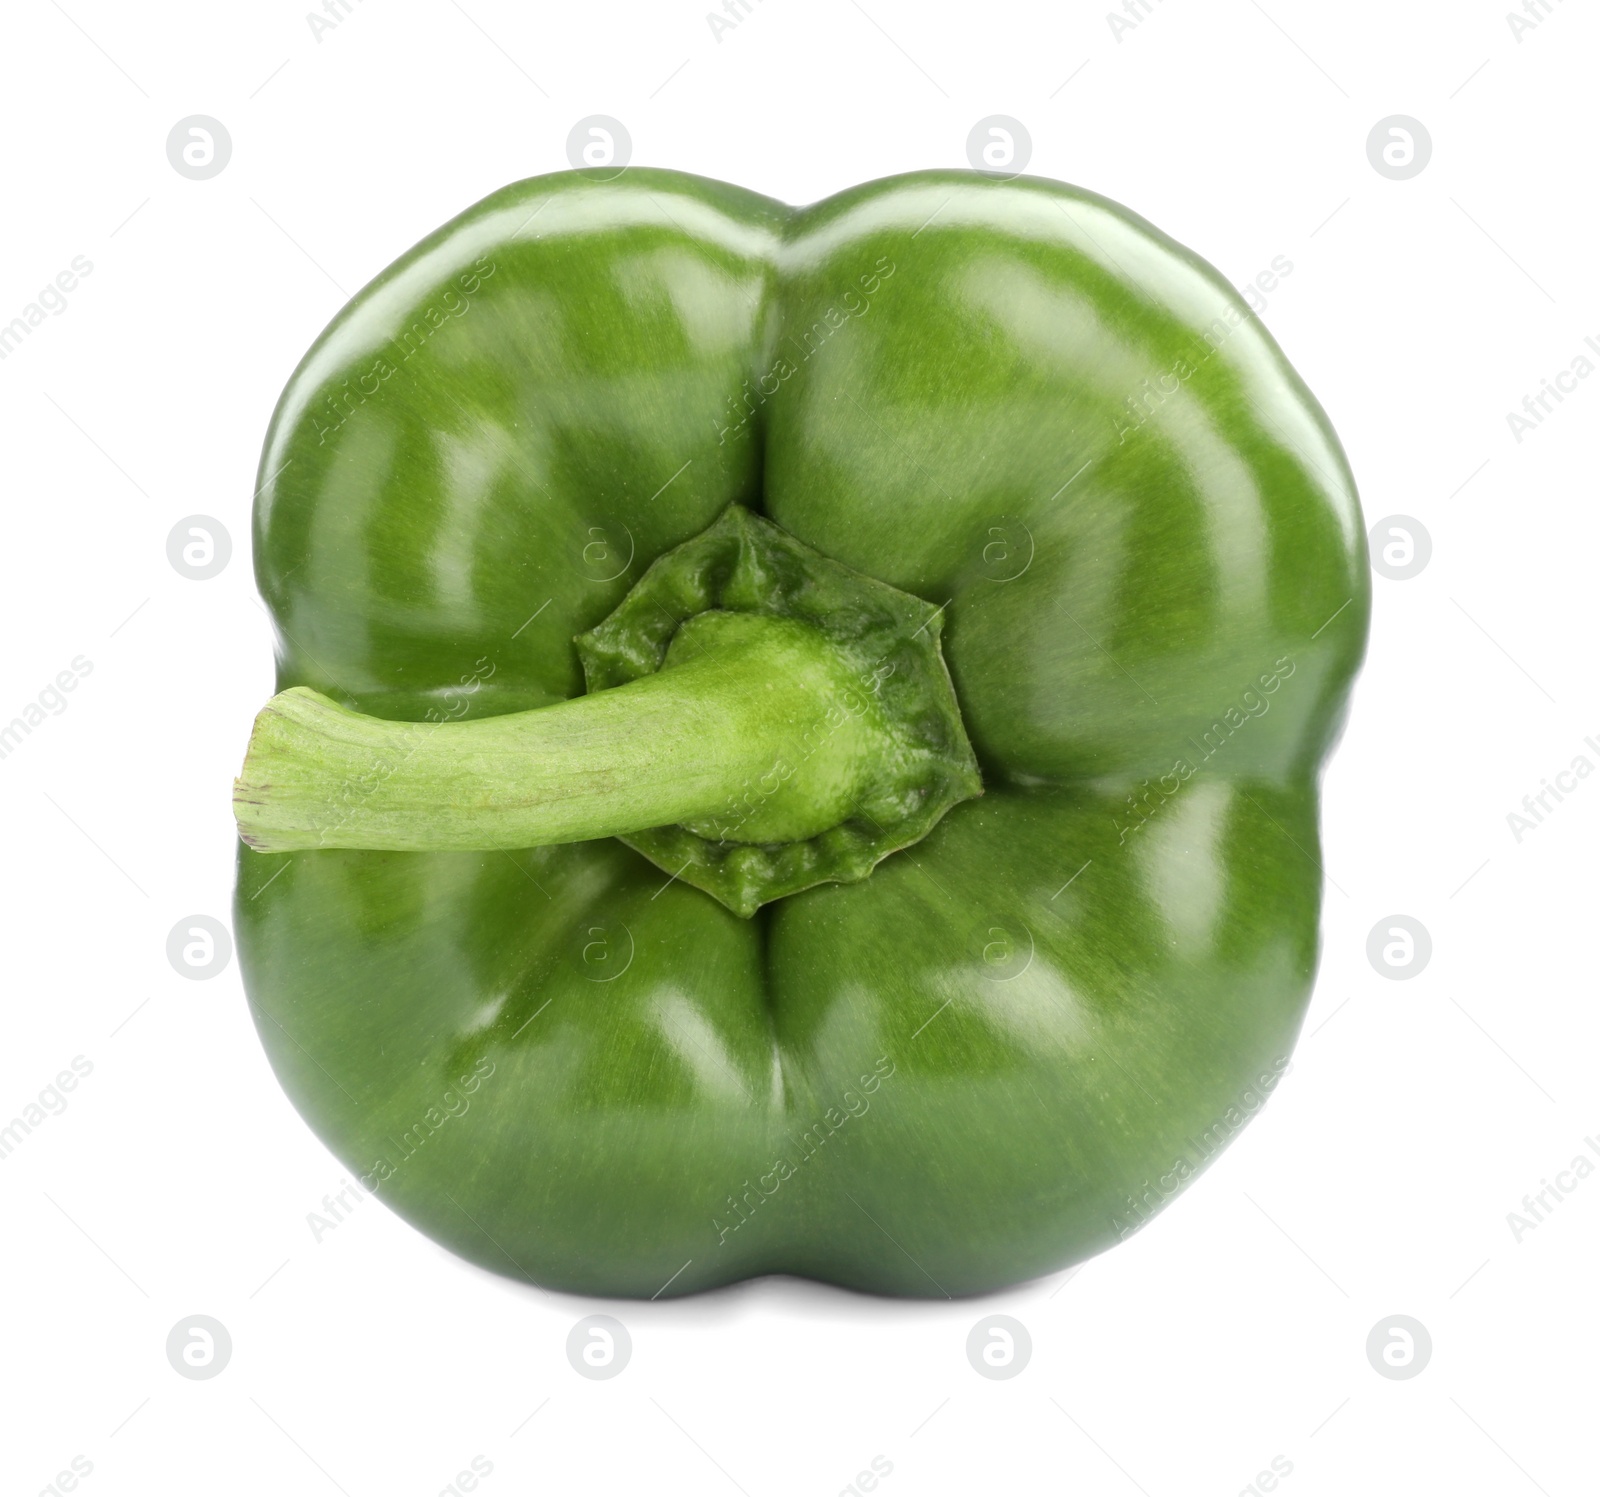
x,y
759,720
756,729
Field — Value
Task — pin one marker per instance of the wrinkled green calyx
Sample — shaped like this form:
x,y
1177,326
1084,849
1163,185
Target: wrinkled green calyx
x,y
890,640
759,719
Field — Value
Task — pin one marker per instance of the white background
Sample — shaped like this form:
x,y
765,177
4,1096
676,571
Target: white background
x,y
1419,1113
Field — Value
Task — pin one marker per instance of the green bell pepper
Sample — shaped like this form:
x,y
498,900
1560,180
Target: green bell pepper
x,y
799,730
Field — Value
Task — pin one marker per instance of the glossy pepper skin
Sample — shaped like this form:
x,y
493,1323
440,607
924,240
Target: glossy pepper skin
x,y
1011,1043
